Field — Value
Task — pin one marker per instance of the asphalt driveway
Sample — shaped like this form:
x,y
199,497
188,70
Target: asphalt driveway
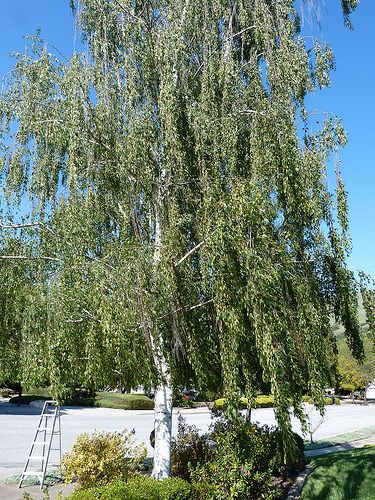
x,y
17,425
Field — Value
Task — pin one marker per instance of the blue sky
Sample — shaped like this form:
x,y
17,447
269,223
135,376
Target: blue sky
x,y
351,95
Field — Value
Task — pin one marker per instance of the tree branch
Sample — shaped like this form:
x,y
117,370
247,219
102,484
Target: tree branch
x,y
190,252
20,226
28,257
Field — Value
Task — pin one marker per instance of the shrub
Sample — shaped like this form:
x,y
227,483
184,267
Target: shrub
x,y
138,488
102,457
220,404
189,449
25,400
327,401
264,401
243,463
307,399
183,403
261,401
124,401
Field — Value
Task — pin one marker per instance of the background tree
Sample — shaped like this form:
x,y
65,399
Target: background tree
x,y
191,234
350,377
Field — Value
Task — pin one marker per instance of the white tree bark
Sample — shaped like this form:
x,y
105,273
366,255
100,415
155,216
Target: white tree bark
x,y
164,392
163,431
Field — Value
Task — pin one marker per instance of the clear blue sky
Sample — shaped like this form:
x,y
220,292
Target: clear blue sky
x,y
351,95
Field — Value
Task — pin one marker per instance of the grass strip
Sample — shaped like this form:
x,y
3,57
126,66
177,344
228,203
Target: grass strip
x,y
348,437
343,475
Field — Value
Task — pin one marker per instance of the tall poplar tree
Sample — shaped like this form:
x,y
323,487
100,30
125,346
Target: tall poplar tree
x,y
186,231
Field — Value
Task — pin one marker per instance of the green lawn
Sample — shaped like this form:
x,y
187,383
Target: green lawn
x,y
348,475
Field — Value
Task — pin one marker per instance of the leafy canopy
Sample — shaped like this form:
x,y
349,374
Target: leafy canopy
x,y
185,211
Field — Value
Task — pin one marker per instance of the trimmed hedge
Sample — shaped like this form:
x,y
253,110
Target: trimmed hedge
x,y
102,400
140,488
123,401
26,400
327,401
261,401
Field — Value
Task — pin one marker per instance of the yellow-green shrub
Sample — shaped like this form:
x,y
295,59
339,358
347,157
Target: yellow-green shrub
x,y
261,401
102,457
264,401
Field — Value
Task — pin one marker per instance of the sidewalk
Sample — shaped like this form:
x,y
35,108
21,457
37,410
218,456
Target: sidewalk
x,y
11,492
340,447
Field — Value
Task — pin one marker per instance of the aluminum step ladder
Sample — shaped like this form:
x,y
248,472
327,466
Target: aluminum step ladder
x,y
49,427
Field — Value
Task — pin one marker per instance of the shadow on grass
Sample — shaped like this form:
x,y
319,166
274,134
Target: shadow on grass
x,y
348,475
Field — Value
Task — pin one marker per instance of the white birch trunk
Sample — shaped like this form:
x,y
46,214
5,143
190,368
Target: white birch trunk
x,y
163,431
164,392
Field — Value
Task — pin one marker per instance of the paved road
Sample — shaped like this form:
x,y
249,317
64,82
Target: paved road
x,y
17,425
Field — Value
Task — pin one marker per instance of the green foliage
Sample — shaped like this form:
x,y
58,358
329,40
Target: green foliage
x,y
25,400
189,449
264,402
123,401
243,463
261,401
52,477
350,378
101,458
175,221
327,401
139,488
101,399
183,403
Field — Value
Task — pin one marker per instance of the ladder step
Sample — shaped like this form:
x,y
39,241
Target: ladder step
x,y
41,429
41,442
31,457
38,474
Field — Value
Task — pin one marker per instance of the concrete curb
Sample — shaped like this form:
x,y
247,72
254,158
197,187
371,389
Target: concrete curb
x,y
295,491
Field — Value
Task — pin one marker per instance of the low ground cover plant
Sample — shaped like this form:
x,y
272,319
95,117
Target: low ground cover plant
x,y
138,488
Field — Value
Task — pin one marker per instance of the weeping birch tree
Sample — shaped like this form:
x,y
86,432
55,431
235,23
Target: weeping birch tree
x,y
184,224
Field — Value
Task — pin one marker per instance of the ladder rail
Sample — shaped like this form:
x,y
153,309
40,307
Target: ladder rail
x,y
49,448
31,447
46,440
